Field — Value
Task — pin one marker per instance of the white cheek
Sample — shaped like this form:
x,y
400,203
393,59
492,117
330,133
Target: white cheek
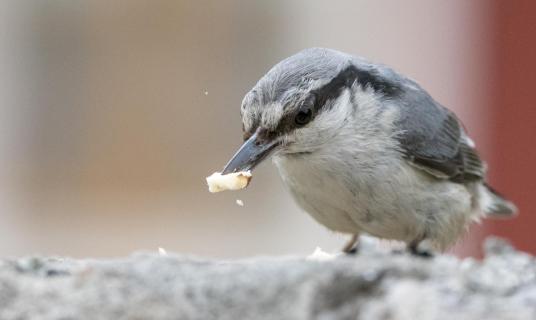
x,y
323,128
337,116
329,122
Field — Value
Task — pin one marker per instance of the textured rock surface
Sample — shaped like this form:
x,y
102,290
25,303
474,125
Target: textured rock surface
x,y
375,284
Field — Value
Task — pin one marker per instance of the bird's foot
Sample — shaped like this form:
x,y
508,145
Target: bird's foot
x,y
353,251
352,246
419,250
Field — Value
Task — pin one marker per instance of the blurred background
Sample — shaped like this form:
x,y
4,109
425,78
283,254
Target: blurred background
x,y
112,114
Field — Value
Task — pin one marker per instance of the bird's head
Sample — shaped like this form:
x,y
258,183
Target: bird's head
x,y
296,108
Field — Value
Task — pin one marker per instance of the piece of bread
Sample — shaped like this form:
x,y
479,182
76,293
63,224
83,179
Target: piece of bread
x,y
232,181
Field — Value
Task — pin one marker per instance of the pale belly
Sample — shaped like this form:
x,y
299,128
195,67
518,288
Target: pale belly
x,y
393,202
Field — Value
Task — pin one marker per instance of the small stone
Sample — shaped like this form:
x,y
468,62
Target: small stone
x,y
320,255
497,246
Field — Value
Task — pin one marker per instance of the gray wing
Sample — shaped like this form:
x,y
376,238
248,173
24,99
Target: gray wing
x,y
433,139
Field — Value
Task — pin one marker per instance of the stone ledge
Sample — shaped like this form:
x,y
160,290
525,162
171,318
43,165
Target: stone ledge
x,y
375,284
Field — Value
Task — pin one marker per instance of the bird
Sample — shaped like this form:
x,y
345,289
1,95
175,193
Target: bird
x,y
364,149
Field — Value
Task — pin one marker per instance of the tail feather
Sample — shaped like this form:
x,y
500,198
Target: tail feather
x,y
494,204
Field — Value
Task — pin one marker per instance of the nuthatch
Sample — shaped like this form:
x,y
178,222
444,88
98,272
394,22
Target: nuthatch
x,y
364,149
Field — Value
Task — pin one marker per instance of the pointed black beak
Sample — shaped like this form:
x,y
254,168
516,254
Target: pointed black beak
x,y
250,154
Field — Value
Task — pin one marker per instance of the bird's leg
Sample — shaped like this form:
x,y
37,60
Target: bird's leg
x,y
352,245
416,250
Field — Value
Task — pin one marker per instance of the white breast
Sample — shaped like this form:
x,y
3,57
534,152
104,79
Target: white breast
x,y
398,203
321,194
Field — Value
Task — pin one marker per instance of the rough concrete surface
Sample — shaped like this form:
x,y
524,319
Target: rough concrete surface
x,y
374,284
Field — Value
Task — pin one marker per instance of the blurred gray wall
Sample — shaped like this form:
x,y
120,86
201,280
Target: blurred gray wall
x,y
113,114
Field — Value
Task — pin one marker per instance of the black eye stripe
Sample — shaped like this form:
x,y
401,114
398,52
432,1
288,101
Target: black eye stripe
x,y
333,88
346,78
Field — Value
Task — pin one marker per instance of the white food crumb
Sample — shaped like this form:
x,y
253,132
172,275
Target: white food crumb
x,y
206,93
320,255
240,202
162,251
232,181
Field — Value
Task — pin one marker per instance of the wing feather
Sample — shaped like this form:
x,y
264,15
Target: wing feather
x,y
440,146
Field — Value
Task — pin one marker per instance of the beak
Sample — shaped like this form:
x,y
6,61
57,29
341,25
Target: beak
x,y
250,154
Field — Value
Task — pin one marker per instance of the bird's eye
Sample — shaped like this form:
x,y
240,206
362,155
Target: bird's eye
x,y
303,117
